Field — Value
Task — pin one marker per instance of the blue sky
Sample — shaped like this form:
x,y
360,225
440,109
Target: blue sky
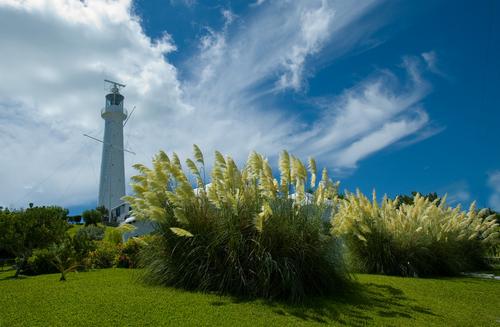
x,y
394,95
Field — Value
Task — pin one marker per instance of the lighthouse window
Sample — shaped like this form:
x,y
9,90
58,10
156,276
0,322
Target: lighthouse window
x,y
114,99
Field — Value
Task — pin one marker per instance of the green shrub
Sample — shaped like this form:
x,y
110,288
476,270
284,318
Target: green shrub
x,y
75,219
91,232
130,251
114,236
85,241
63,257
40,262
420,239
57,257
104,256
22,231
92,217
242,234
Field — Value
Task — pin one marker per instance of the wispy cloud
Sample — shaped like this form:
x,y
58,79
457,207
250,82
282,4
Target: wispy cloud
x,y
457,193
431,59
257,3
372,115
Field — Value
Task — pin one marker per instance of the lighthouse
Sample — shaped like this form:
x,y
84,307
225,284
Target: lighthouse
x,y
112,180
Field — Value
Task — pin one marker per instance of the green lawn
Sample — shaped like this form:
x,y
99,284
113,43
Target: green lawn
x,y
73,229
111,297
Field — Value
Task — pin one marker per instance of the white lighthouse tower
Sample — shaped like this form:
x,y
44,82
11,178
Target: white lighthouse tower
x,y
112,181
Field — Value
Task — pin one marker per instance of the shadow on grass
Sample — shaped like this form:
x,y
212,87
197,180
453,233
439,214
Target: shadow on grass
x,y
12,277
356,307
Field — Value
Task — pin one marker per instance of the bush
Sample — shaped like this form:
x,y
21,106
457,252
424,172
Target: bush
x,y
64,258
85,241
75,219
58,257
92,233
130,251
40,262
104,256
23,231
244,233
92,217
419,239
114,235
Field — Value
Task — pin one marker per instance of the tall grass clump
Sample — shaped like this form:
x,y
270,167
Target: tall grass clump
x,y
245,233
420,239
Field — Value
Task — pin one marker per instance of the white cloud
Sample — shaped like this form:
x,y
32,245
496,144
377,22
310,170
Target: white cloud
x,y
371,116
257,3
56,53
494,183
431,59
456,193
314,29
272,46
388,134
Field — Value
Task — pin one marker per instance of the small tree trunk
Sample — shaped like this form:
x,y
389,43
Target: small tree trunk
x,y
19,266
63,277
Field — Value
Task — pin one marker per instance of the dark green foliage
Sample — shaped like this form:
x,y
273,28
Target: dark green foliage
x,y
409,199
39,240
85,239
63,257
4,254
4,223
293,257
91,232
104,256
307,261
129,255
75,219
40,262
92,217
25,230
57,257
104,213
488,211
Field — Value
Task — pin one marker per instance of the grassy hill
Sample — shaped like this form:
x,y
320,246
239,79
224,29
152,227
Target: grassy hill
x,y
111,297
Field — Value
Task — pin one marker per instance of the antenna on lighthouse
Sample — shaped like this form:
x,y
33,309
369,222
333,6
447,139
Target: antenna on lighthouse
x,y
116,86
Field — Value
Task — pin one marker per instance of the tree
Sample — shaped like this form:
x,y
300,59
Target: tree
x,y
409,199
24,230
92,217
488,211
104,212
75,219
63,258
4,252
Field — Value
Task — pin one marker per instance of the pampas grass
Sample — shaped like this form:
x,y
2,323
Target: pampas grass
x,y
242,234
420,239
